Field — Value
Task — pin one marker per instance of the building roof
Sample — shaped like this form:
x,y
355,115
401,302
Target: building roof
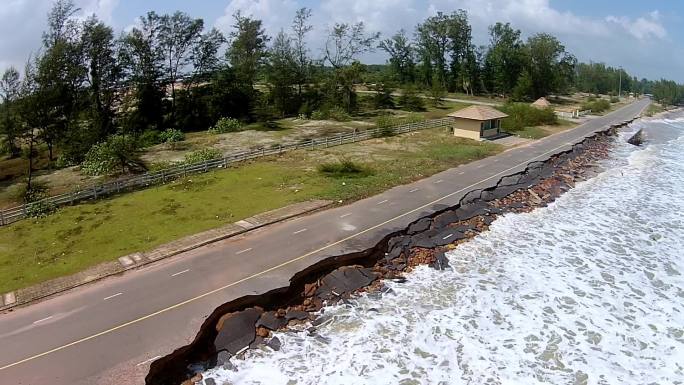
x,y
478,113
541,103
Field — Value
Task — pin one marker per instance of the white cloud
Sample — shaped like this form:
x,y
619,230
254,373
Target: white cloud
x,y
104,9
643,27
275,14
23,21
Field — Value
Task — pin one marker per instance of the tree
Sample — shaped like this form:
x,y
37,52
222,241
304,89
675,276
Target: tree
x,y
547,63
432,38
401,57
505,57
248,48
463,63
60,74
35,114
344,44
179,34
281,75
303,64
103,77
143,59
10,86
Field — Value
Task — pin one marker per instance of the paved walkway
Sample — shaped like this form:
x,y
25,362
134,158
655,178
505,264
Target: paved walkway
x,y
109,333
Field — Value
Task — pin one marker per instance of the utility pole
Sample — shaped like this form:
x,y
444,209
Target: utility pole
x,y
620,86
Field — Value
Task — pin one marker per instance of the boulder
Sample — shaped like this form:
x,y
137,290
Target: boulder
x,y
209,381
296,314
274,343
237,330
271,321
637,139
345,280
222,357
441,262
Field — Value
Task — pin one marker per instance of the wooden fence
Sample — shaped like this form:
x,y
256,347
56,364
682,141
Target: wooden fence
x,y
147,179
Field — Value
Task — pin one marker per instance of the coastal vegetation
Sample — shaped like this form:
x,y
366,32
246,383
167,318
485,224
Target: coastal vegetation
x,y
71,239
169,77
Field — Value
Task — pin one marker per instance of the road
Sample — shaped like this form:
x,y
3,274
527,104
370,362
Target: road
x,y
464,101
109,332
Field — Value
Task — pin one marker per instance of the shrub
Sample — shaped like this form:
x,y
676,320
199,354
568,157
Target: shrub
x,y
521,115
148,138
393,121
385,132
116,151
318,115
333,113
36,206
597,106
344,169
171,135
202,155
410,101
614,99
383,97
225,125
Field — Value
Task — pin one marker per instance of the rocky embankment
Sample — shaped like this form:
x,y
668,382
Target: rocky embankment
x,y
248,322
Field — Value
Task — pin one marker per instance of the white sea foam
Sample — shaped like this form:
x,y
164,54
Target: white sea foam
x,y
586,291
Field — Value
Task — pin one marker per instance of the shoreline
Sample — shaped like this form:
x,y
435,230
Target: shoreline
x,y
247,322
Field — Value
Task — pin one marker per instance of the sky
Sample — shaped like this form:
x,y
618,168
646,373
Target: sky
x,y
641,36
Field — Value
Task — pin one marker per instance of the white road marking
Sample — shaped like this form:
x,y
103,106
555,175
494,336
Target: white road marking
x,y
414,190
146,361
345,215
112,296
300,231
243,251
180,272
42,320
439,181
461,173
381,202
274,268
448,236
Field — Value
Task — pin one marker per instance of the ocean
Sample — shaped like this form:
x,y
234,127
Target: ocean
x,y
589,290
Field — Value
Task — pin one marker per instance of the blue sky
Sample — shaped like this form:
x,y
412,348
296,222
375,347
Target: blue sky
x,y
641,36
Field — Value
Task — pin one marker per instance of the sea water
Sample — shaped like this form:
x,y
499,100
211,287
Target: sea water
x,y
589,290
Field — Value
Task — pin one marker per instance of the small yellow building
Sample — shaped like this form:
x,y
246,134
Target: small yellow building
x,y
477,122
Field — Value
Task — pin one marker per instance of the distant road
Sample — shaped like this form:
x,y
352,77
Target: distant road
x,y
109,332
466,101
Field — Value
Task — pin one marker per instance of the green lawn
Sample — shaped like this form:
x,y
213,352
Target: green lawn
x,y
81,236
532,133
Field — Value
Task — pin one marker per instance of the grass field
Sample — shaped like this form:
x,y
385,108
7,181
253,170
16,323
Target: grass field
x,y
538,132
81,236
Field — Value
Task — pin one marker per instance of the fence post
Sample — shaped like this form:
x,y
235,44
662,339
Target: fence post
x,y
326,142
2,217
163,177
206,166
95,192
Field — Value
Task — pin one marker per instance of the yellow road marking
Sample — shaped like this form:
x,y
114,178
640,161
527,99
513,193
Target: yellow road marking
x,y
190,300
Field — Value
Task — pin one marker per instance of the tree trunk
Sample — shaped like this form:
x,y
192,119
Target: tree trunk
x,y
30,167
